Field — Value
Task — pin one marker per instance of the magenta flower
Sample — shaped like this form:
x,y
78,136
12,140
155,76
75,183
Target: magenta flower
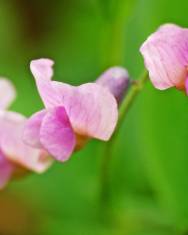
x,y
14,154
71,115
166,57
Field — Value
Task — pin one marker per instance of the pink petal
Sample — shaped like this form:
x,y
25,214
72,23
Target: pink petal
x,y
42,72
56,134
186,85
42,69
116,79
7,93
6,170
31,134
92,109
165,54
12,126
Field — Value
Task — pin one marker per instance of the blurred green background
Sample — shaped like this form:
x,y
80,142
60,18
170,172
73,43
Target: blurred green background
x,y
148,174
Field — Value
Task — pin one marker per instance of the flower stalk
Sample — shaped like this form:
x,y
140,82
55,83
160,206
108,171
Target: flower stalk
x,y
135,88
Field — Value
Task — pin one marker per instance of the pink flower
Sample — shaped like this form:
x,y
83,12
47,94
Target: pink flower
x,y
116,79
71,115
14,154
166,57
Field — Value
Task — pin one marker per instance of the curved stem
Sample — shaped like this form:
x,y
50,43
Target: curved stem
x,y
134,90
136,87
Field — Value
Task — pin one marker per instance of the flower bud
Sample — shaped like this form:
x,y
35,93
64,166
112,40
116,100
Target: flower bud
x,y
116,79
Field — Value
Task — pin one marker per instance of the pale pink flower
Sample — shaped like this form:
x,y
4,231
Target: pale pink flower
x,y
165,54
71,115
15,155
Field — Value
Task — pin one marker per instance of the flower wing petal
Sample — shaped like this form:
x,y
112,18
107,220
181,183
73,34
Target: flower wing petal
x,y
56,134
31,134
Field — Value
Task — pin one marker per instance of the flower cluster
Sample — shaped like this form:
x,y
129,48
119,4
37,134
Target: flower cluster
x,y
72,115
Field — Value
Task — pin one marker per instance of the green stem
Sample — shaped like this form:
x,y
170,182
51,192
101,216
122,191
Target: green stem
x,y
134,90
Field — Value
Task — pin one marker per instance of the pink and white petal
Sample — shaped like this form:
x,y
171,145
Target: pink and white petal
x,y
42,71
99,114
6,170
165,54
56,134
7,93
12,126
42,68
9,120
154,65
91,108
31,133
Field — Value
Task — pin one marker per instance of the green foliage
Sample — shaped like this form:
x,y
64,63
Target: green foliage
x,y
149,169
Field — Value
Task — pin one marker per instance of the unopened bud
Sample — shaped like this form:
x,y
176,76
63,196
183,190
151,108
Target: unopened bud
x,y
116,79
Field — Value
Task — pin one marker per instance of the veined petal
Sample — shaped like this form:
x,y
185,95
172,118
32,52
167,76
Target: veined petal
x,y
42,71
7,93
6,170
165,54
56,134
31,134
92,109
12,126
